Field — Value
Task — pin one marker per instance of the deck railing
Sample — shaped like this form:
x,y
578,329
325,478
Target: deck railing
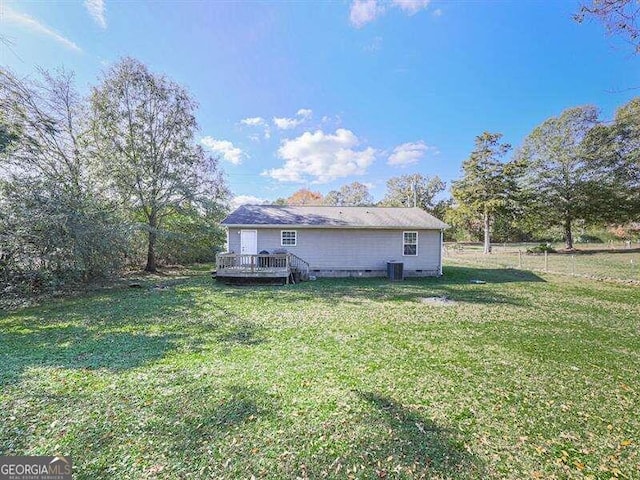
x,y
260,263
300,264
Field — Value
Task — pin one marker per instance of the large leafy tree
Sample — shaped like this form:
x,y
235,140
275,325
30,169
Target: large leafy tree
x,y
304,196
563,180
355,194
144,126
488,184
191,235
54,221
627,149
45,122
412,190
614,151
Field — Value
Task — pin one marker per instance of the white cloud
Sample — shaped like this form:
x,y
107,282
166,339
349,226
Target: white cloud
x,y
437,12
334,120
253,121
225,149
284,123
321,157
364,11
409,153
246,200
30,23
411,7
97,11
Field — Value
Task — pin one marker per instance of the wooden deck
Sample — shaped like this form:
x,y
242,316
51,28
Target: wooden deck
x,y
242,268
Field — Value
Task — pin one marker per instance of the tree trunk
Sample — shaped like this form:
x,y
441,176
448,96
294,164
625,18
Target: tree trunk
x,y
151,248
568,235
487,233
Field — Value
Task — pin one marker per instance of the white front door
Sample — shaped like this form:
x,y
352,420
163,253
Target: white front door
x,y
248,242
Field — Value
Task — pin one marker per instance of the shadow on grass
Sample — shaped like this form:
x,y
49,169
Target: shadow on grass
x,y
203,418
117,331
456,275
419,444
79,348
456,284
208,416
184,427
238,330
243,333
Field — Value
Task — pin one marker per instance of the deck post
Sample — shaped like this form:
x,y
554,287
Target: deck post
x,y
253,263
286,263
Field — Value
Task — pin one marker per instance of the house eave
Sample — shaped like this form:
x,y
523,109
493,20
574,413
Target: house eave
x,y
336,227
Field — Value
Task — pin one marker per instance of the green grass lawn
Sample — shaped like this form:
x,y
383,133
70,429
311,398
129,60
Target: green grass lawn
x,y
526,376
620,264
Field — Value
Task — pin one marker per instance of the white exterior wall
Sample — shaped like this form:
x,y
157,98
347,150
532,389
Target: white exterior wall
x,y
340,252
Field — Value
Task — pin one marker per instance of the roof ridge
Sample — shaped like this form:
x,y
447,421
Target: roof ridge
x,y
325,206
333,216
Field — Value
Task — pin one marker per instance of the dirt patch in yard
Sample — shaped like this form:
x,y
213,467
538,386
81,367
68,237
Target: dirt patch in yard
x,y
442,301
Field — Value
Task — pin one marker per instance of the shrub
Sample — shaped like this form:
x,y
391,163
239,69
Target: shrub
x,y
586,238
542,248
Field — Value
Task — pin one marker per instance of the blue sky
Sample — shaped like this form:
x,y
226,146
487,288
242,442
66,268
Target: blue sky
x,y
319,94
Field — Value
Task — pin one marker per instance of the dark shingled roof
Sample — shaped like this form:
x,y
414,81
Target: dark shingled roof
x,y
333,217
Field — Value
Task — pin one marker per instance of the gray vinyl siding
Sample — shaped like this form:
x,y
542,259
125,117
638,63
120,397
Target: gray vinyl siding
x,y
351,249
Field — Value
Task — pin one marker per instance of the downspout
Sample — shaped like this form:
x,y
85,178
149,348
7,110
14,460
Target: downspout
x,y
441,246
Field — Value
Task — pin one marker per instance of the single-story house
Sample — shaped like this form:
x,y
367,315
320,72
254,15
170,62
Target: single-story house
x,y
341,241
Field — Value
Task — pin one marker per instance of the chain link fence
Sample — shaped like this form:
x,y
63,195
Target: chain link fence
x,y
604,261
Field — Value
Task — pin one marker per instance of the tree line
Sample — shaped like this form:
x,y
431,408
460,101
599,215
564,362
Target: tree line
x,y
92,184
572,170
403,191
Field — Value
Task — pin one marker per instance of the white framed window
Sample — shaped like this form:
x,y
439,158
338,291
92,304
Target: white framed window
x,y
288,238
409,244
